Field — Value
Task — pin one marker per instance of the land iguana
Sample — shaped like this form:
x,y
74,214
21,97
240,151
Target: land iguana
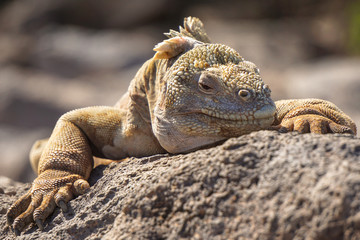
x,y
191,94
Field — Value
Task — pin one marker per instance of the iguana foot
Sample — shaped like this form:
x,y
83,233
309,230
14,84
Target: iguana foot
x,y
52,188
311,123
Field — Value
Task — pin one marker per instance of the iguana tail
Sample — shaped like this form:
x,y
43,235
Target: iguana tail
x,y
193,28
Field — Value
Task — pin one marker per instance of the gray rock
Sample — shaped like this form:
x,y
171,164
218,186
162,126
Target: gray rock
x,y
260,186
72,52
334,79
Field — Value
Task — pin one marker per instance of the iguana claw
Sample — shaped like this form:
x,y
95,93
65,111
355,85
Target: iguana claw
x,y
39,224
63,206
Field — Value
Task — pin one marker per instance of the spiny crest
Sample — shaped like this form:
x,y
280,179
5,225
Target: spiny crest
x,y
174,46
169,48
193,28
189,36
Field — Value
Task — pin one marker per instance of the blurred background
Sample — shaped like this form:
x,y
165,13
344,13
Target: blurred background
x,y
59,55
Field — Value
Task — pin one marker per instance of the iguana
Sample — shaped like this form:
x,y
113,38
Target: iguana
x,y
191,94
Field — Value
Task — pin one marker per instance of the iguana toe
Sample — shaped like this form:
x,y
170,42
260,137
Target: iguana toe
x,y
42,198
312,123
81,186
18,208
46,207
63,196
337,128
39,223
23,219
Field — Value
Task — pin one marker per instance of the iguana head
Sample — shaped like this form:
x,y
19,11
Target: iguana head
x,y
210,93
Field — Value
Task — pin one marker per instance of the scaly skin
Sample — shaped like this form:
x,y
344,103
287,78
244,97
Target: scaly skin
x,y
190,94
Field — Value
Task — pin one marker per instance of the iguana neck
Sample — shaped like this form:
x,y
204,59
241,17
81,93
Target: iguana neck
x,y
148,86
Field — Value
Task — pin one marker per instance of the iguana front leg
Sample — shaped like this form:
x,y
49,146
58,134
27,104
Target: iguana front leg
x,y
39,146
311,115
67,160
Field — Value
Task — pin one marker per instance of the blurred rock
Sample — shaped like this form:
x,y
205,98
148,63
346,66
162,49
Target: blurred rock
x,y
15,146
260,186
269,44
31,15
333,79
7,182
70,52
32,101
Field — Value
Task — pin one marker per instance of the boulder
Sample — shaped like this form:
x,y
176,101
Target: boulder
x,y
264,185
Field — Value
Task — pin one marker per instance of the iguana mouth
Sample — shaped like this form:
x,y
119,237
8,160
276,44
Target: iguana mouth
x,y
230,118
264,113
234,117
226,116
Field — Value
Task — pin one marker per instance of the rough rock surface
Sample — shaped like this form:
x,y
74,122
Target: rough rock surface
x,y
264,185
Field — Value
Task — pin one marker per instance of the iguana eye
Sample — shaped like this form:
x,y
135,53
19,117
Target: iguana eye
x,y
207,84
204,87
245,94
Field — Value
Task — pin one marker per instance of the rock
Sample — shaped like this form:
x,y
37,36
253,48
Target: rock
x,y
264,185
31,15
71,52
339,75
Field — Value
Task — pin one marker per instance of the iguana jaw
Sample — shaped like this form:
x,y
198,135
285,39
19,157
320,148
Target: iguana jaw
x,y
174,140
265,113
180,132
227,119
